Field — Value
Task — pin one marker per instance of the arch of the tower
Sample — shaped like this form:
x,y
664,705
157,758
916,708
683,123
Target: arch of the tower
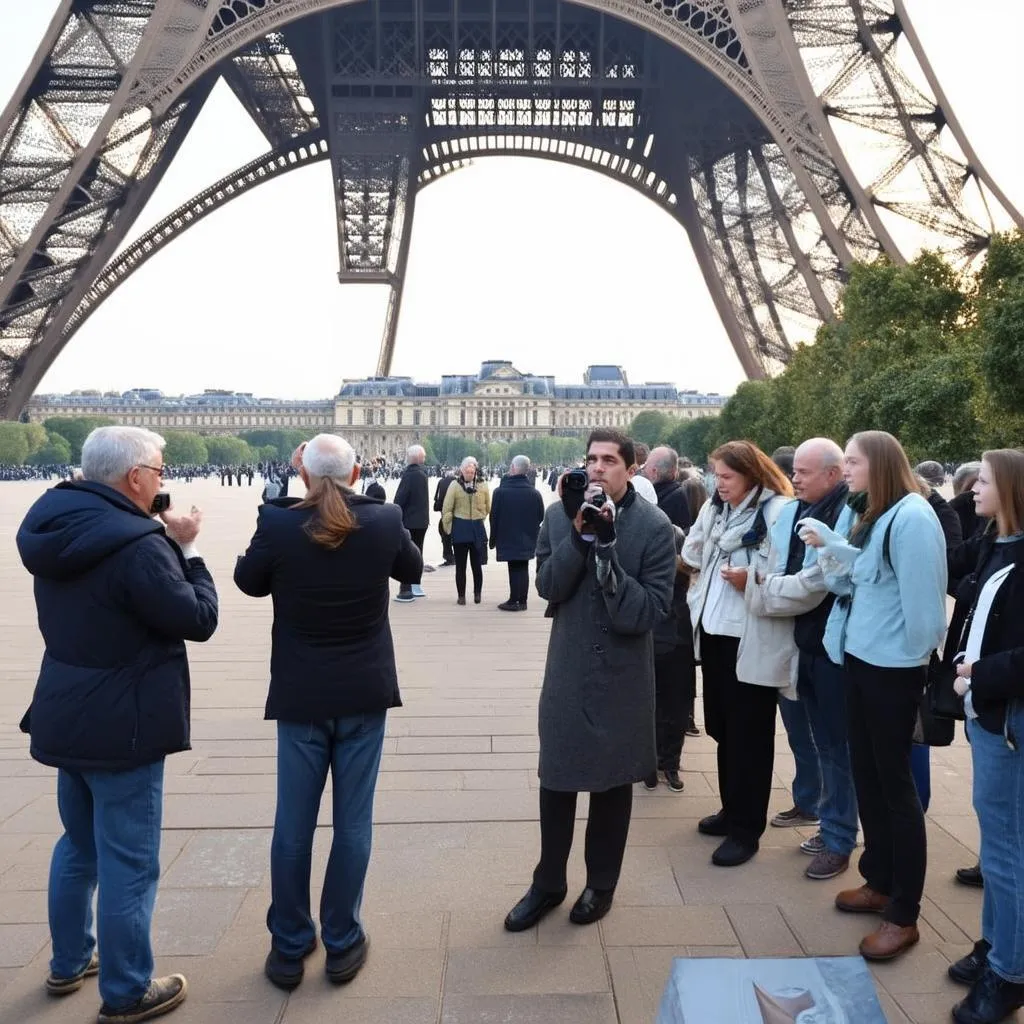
x,y
728,107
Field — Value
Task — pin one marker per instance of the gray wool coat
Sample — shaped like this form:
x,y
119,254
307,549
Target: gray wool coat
x,y
596,715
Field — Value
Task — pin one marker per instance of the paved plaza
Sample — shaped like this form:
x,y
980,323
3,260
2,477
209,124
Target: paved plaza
x,y
455,840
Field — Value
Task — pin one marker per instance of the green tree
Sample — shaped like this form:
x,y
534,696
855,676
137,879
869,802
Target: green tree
x,y
226,450
695,438
284,441
35,434
14,446
650,428
185,449
75,429
1000,304
56,452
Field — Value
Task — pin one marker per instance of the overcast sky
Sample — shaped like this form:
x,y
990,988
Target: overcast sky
x,y
551,266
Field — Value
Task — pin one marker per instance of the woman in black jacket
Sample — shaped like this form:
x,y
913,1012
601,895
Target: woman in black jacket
x,y
986,641
326,561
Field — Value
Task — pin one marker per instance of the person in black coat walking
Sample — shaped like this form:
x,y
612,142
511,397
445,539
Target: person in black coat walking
x,y
413,498
446,480
517,510
326,561
117,593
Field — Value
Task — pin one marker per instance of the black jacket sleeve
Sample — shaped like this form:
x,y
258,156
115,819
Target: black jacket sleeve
x,y
408,564
402,495
254,569
175,598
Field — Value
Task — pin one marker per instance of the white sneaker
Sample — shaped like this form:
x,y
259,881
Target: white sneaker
x,y
417,591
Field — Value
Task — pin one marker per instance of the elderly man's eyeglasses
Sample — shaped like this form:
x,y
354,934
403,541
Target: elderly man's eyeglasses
x,y
159,470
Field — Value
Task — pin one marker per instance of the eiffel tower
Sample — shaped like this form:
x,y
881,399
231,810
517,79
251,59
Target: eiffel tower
x,y
735,116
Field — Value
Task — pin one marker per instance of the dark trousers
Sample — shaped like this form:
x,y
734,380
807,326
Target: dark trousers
x,y
519,581
881,706
446,544
472,552
607,830
417,539
674,682
740,717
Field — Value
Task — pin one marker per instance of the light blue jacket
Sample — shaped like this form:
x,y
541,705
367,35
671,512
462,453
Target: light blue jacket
x,y
782,531
895,615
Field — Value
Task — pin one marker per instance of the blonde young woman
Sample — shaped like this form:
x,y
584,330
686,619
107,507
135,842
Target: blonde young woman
x,y
467,504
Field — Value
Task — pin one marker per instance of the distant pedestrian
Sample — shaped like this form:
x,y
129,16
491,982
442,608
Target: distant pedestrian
x,y
517,510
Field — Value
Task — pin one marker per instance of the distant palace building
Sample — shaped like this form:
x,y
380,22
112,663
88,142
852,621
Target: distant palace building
x,y
387,414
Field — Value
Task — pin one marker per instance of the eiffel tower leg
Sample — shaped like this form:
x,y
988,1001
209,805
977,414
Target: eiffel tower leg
x,y
397,285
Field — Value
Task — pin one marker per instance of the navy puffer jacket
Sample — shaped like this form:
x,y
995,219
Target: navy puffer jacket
x,y
116,600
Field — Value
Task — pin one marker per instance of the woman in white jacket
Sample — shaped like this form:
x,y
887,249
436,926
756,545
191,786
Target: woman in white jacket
x,y
745,658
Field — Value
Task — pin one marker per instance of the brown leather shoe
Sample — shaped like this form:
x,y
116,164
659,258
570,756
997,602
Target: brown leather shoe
x,y
888,942
862,901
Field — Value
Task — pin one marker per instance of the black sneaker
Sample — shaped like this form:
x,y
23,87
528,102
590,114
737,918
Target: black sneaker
x,y
971,876
714,825
285,971
342,967
991,999
795,816
651,782
162,996
968,969
674,782
691,728
65,986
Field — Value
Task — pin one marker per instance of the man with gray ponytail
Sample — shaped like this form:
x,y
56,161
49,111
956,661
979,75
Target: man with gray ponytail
x,y
118,591
326,560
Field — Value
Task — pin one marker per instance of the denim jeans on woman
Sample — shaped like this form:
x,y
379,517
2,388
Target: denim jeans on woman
x,y
999,804
111,840
350,748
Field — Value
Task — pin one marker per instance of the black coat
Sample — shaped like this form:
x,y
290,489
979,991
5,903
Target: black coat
x,y
676,630
672,501
332,653
970,522
517,510
375,491
997,677
116,600
441,490
413,497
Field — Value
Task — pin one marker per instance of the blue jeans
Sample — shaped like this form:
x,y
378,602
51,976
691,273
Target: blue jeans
x,y
921,767
111,840
999,804
821,687
807,783
351,748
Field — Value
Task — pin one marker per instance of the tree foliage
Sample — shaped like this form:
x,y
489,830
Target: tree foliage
x,y
185,449
75,429
226,450
650,428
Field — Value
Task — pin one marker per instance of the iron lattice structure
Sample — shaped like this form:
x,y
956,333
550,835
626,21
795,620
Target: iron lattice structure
x,y
789,138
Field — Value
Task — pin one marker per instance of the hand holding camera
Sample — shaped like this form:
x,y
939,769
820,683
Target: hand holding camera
x,y
182,528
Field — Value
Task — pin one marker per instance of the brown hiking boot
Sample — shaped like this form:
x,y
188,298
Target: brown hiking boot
x,y
162,996
889,941
862,901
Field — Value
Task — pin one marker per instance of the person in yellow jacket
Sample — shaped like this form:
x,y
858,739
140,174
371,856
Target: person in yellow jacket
x,y
467,504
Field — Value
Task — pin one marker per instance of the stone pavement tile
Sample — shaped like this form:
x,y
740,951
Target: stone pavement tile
x,y
962,827
430,836
458,762
629,999
488,835
667,926
190,922
683,805
933,1008
236,766
891,1009
225,979
652,968
27,876
964,913
20,943
246,937
196,1010
825,931
943,925
647,879
23,907
762,930
483,928
200,785
444,745
463,805
37,815
920,971
388,974
528,1009
221,810
7,975
221,859
557,930
528,744
463,725
413,781
404,929
497,780
326,1006
526,971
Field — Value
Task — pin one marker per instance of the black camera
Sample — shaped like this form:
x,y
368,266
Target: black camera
x,y
161,503
590,515
574,487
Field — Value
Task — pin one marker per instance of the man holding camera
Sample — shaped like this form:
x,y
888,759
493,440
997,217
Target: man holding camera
x,y
606,565
117,594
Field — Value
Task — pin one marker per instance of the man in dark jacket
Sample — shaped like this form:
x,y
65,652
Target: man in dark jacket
x,y
446,480
117,594
326,562
675,671
517,510
413,498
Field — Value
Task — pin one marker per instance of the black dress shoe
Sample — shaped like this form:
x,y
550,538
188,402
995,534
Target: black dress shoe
x,y
990,1000
968,969
732,853
674,782
971,877
531,908
286,971
477,597
651,782
344,966
713,825
592,905
462,599
512,606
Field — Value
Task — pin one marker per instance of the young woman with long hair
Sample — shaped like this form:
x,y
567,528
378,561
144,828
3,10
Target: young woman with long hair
x,y
986,641
887,563
728,544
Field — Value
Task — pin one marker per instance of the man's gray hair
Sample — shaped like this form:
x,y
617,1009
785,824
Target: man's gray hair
x,y
666,463
932,472
831,454
965,476
415,453
519,466
109,453
469,460
329,457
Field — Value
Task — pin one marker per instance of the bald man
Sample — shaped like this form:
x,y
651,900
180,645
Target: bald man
x,y
815,723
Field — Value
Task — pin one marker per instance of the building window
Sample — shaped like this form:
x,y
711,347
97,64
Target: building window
x,y
479,418
368,417
462,417
415,417
348,417
511,417
380,417
398,417
433,417
535,417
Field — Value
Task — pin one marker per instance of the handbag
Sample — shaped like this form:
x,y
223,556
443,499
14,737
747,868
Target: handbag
x,y
932,728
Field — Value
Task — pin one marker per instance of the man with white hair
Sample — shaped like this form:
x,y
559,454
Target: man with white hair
x,y
413,498
326,561
816,723
517,510
118,592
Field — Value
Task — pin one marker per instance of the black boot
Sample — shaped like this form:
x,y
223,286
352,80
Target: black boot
x,y
971,877
592,905
531,908
713,825
733,852
342,967
284,971
968,969
990,1000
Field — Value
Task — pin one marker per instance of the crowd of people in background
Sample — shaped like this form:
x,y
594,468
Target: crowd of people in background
x,y
812,581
